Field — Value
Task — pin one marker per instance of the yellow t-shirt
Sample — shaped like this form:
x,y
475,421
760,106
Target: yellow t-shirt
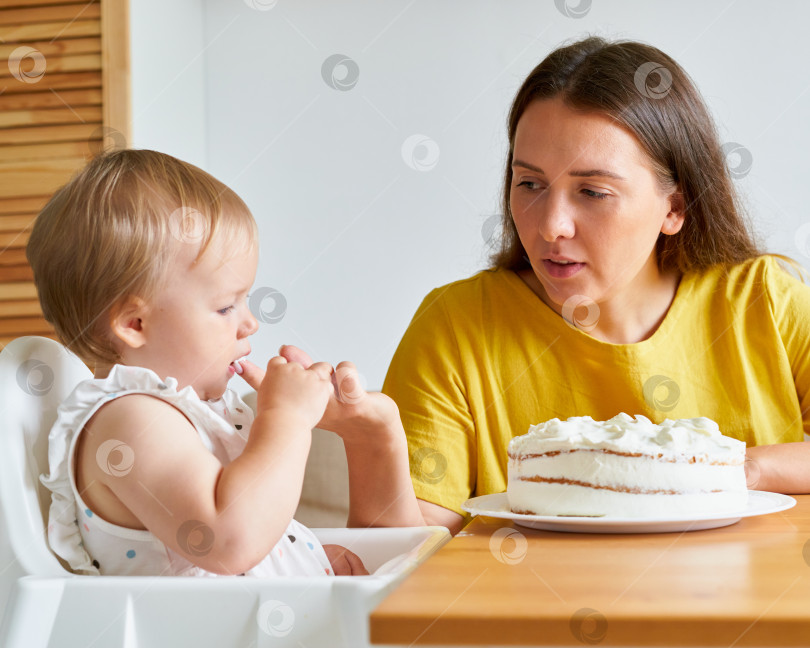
x,y
485,358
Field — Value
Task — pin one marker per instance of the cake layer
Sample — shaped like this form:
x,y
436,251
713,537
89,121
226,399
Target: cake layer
x,y
568,499
626,467
635,473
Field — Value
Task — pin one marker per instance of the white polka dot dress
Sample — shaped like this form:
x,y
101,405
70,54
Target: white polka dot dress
x,y
91,545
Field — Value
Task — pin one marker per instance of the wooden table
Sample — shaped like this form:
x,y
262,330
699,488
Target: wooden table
x,y
747,584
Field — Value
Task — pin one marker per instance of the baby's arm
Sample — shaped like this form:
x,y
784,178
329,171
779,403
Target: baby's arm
x,y
223,519
780,468
380,487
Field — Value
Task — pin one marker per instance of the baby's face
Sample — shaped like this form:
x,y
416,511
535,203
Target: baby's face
x,y
198,324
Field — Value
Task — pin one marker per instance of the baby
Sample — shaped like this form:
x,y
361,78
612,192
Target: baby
x,y
143,265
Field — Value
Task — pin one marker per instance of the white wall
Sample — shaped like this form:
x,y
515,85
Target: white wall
x,y
353,237
168,77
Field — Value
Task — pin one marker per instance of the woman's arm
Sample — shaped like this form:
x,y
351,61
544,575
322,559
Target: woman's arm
x,y
781,468
785,467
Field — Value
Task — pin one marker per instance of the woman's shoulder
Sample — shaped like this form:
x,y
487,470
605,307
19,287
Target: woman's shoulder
x,y
766,270
471,290
771,281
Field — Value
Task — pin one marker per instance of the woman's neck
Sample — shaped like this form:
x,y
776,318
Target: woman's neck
x,y
625,319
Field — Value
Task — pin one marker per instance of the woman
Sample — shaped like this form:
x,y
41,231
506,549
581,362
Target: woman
x,y
627,280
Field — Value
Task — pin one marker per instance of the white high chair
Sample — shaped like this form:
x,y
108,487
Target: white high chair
x,y
42,604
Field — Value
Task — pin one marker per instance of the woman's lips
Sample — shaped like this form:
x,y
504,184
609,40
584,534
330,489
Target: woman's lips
x,y
559,270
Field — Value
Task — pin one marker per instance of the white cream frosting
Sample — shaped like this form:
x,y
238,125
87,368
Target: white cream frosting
x,y
626,467
683,438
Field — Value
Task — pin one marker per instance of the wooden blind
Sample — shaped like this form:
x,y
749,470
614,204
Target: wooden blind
x,y
64,97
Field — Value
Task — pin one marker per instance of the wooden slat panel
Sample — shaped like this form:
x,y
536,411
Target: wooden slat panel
x,y
116,67
12,256
51,126
26,205
85,10
16,222
13,239
50,151
80,114
16,273
20,308
48,49
23,326
18,291
4,340
35,134
56,81
77,63
36,178
10,4
51,99
50,31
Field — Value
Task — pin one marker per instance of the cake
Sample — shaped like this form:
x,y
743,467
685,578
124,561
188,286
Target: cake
x,y
626,468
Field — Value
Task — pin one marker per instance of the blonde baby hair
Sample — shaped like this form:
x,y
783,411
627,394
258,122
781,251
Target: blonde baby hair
x,y
111,233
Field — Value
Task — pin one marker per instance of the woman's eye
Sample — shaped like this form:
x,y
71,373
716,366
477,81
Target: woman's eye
x,y
529,184
594,194
225,311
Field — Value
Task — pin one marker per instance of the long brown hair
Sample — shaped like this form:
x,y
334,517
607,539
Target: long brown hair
x,y
649,94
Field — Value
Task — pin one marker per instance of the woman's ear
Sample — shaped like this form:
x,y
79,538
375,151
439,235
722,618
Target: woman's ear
x,y
673,221
126,322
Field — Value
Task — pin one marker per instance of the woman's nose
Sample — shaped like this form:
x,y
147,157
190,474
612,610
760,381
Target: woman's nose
x,y
555,218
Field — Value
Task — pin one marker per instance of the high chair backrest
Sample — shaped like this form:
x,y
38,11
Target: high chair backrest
x,y
36,374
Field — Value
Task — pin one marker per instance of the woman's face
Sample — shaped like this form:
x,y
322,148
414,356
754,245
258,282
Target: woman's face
x,y
587,206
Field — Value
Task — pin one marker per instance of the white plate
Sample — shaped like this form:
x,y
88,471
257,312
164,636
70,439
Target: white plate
x,y
497,505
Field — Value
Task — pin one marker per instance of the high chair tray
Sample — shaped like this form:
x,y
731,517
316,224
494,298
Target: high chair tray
x,y
171,612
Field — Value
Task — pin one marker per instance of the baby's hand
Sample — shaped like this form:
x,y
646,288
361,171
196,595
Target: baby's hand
x,y
344,562
352,413
287,386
